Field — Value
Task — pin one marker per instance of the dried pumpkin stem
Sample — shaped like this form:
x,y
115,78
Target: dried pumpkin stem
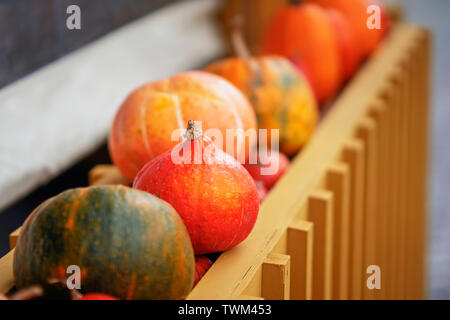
x,y
192,131
237,39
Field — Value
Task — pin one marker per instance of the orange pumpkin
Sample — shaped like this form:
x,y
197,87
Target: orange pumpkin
x,y
212,192
348,46
356,13
144,125
280,95
304,34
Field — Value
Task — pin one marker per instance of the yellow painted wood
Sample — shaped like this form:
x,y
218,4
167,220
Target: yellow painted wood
x,y
391,185
353,155
276,277
423,161
300,244
366,132
227,278
320,213
338,182
254,288
106,174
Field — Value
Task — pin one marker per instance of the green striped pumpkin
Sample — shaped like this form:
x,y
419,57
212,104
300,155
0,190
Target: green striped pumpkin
x,y
127,243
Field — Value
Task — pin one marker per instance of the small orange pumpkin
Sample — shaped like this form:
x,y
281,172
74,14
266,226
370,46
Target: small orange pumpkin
x,y
356,11
348,46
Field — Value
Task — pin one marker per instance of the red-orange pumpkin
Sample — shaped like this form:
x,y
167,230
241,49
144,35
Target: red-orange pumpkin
x,y
145,122
213,193
202,265
304,34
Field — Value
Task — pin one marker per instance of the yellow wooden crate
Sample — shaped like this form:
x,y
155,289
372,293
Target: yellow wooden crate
x,y
356,196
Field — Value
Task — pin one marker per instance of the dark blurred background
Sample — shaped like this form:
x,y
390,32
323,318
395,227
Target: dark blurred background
x,y
33,33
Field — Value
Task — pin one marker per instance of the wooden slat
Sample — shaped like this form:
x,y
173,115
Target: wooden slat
x,y
409,175
106,174
6,272
366,133
320,206
379,114
276,277
13,236
338,182
353,155
300,243
85,87
254,287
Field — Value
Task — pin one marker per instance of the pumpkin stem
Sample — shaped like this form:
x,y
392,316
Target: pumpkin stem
x,y
192,131
237,39
296,2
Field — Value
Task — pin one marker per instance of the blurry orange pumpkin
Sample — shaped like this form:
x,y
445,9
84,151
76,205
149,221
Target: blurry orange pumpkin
x,y
145,122
356,13
280,95
348,46
304,34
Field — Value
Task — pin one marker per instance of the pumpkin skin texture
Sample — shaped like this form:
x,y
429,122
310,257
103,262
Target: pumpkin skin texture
x,y
202,265
216,197
304,34
348,47
127,243
272,159
280,95
356,13
144,124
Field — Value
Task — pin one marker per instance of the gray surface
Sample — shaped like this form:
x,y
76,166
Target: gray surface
x,y
435,15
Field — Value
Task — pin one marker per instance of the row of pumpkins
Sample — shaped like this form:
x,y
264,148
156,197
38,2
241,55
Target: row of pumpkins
x,y
147,242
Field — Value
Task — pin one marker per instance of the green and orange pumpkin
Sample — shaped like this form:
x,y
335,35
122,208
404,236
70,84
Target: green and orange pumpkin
x,y
279,94
213,193
127,243
146,124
